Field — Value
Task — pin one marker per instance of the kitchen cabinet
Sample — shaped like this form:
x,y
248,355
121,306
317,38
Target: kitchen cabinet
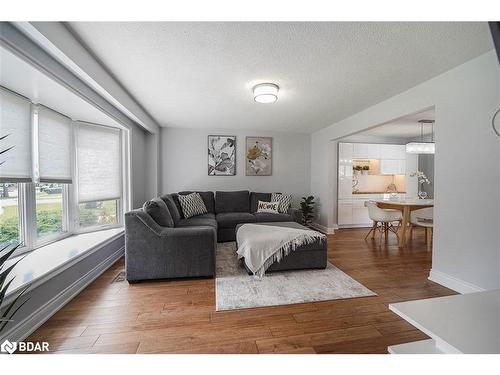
x,y
360,213
353,213
345,170
393,152
392,166
344,213
365,151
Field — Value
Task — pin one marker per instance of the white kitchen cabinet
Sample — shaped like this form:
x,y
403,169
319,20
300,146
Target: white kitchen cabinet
x,y
392,166
345,153
392,152
366,151
360,213
353,212
344,213
345,170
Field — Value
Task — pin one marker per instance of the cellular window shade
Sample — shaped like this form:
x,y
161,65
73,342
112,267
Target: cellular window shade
x,y
54,146
15,124
98,163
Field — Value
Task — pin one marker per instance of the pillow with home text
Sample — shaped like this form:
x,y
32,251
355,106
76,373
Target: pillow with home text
x,y
268,207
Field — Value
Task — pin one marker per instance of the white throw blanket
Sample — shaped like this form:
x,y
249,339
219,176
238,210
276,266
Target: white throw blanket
x,y
262,245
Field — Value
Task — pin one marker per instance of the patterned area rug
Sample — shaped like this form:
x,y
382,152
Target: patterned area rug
x,y
235,289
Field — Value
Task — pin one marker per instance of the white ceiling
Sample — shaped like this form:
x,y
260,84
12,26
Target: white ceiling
x,y
21,77
406,127
200,74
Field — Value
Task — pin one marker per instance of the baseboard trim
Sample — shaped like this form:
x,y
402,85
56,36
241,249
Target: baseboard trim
x,y
323,229
28,325
453,283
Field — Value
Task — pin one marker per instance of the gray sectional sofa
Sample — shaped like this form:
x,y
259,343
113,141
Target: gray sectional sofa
x,y
162,243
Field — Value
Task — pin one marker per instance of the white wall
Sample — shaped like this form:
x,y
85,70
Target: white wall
x,y
467,174
184,163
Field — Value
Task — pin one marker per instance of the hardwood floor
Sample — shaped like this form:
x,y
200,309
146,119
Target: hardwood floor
x,y
180,317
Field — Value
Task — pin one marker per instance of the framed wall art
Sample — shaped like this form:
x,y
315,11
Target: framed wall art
x,y
259,156
221,155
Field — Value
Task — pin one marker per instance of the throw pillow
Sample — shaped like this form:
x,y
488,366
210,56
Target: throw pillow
x,y
268,207
285,200
192,205
158,210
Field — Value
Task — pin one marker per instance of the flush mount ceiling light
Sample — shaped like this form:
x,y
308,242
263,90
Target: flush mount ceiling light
x,y
422,147
265,93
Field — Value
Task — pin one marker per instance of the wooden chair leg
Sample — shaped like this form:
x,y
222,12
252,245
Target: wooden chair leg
x,y
386,231
372,230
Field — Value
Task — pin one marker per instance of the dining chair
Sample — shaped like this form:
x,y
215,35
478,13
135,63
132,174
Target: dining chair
x,y
383,220
423,217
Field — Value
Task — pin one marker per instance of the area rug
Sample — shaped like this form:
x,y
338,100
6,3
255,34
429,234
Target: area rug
x,y
235,289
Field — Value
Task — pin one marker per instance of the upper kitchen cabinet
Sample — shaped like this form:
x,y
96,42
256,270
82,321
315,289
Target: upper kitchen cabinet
x,y
395,152
366,151
345,182
345,153
392,166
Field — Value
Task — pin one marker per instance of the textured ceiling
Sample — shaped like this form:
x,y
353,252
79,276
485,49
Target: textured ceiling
x,y
200,75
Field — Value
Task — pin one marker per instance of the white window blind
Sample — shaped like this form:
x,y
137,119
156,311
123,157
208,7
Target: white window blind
x,y
98,163
54,146
15,126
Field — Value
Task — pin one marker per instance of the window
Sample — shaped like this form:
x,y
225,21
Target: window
x,y
99,175
9,215
57,176
98,213
50,210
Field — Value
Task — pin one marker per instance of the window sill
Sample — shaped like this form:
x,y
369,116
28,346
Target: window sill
x,y
43,263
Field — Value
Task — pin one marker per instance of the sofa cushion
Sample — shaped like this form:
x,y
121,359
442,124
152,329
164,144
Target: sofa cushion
x,y
263,217
157,209
192,205
231,219
207,196
232,201
285,201
172,207
200,220
256,197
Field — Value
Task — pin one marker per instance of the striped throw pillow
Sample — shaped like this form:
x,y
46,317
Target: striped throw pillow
x,y
192,205
285,201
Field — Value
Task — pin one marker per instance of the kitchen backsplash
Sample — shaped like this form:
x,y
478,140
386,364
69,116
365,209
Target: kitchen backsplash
x,y
379,183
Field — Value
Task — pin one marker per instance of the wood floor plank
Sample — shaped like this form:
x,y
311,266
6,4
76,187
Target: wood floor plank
x,y
179,316
282,344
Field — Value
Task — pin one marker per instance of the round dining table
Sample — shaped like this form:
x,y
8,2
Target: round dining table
x,y
405,206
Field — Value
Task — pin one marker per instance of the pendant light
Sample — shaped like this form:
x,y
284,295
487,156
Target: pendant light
x,y
422,147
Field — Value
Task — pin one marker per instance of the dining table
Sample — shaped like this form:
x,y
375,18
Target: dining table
x,y
405,206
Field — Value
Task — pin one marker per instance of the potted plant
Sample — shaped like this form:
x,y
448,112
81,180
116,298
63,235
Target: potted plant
x,y
422,179
307,210
365,169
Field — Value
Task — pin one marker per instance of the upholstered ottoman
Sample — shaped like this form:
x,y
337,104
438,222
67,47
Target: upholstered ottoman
x,y
310,256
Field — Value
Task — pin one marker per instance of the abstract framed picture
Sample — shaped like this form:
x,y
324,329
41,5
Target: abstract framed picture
x,y
259,156
221,155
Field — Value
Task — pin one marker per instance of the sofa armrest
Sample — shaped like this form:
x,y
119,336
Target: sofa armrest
x,y
154,252
146,219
